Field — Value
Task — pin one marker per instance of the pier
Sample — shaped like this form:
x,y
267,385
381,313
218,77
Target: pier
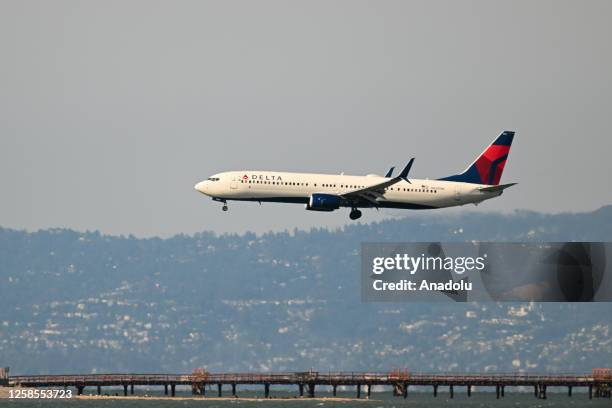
x,y
597,384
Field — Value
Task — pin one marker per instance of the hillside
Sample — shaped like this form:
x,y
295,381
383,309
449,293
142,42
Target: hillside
x,y
82,301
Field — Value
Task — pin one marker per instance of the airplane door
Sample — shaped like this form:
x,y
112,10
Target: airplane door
x,y
234,183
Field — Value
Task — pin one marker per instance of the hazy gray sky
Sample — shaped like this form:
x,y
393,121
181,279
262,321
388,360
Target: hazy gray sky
x,y
111,111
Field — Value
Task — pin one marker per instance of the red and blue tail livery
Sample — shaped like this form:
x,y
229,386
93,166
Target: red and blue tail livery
x,y
489,166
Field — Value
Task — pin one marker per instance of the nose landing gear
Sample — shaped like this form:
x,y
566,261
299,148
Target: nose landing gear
x,y
224,208
355,214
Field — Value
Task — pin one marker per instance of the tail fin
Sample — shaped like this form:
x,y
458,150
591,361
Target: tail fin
x,y
488,167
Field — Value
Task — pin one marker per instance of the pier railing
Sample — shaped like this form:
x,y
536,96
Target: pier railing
x,y
350,378
400,381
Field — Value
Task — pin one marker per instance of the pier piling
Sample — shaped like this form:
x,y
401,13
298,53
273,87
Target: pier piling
x,y
542,391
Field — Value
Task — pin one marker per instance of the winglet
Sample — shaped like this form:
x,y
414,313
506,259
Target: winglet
x,y
390,172
404,174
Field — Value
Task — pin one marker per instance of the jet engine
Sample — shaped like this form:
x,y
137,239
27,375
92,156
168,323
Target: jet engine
x,y
324,202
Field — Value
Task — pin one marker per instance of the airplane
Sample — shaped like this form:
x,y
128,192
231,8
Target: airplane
x,y
329,192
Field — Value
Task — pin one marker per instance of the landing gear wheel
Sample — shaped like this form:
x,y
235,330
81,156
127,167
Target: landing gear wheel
x,y
224,208
355,214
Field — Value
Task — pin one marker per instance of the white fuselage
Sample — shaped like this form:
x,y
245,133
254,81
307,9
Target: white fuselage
x,y
285,187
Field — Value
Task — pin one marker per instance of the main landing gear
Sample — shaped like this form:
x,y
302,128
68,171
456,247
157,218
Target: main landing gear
x,y
355,214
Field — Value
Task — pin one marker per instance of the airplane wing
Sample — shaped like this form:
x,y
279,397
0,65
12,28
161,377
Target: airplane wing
x,y
373,193
493,189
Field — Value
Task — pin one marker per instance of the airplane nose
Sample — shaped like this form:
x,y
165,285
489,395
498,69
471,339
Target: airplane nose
x,y
199,186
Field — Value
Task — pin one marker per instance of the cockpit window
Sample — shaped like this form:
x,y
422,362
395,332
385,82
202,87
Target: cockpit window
x,y
213,178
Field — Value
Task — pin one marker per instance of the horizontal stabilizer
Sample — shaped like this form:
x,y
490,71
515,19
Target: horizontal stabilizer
x,y
493,189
